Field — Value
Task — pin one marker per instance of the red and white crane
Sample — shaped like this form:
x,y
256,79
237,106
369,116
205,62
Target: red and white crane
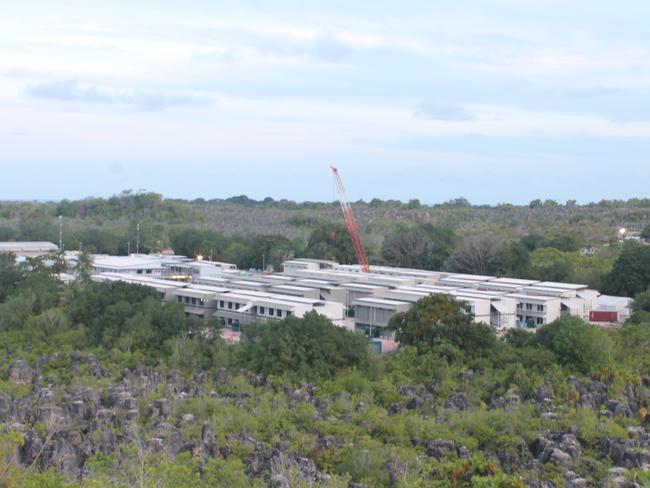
x,y
351,222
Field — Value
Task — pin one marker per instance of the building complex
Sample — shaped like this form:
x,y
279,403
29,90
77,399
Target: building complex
x,y
349,297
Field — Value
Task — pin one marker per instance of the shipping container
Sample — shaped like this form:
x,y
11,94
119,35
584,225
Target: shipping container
x,y
603,316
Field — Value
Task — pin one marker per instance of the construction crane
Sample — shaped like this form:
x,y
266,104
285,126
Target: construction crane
x,y
351,222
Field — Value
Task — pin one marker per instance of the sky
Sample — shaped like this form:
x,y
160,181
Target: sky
x,y
492,100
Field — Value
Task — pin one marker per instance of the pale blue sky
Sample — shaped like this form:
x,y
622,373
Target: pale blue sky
x,y
504,100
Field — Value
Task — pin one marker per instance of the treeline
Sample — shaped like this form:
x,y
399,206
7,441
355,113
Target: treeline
x,y
544,240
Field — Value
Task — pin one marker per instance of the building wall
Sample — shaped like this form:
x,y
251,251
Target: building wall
x,y
529,309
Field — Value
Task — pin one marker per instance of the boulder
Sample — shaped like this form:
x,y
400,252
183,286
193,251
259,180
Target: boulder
x,y
457,401
571,446
20,372
440,448
543,394
6,407
616,478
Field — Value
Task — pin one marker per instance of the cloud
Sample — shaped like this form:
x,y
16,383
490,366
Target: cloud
x,y
320,47
444,111
141,99
67,90
598,91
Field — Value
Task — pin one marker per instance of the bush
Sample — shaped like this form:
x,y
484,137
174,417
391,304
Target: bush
x,y
576,344
303,348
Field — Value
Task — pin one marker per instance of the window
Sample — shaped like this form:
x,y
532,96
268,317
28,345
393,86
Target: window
x,y
236,306
179,299
279,313
540,321
221,303
139,271
519,318
262,310
193,301
148,271
288,313
202,301
187,299
230,305
520,306
229,321
540,308
529,306
271,311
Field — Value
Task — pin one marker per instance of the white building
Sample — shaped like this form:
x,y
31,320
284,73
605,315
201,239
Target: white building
x,y
28,249
236,307
371,315
134,264
534,311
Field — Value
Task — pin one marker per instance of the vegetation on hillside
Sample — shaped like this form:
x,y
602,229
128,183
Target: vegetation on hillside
x,y
104,385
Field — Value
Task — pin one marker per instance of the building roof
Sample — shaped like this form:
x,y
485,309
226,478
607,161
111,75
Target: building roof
x,y
255,284
141,279
513,281
471,277
27,246
562,286
361,286
381,302
524,297
292,288
194,292
126,262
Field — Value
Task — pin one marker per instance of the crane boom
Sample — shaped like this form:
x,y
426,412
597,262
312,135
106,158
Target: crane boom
x,y
351,223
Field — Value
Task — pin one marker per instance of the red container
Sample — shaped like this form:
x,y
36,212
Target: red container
x,y
603,316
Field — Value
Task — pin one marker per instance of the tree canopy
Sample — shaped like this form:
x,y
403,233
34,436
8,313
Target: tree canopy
x,y
631,272
310,347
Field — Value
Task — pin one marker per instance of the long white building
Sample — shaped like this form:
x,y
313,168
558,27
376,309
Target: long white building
x,y
346,295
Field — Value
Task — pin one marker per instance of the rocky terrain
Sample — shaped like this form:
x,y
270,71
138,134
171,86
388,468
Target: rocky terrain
x,y
63,426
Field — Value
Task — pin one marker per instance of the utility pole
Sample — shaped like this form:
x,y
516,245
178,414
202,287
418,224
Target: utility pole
x,y
128,248
60,233
137,241
263,263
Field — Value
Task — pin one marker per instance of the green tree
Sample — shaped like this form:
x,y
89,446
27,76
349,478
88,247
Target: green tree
x,y
550,264
331,241
576,344
267,250
413,204
641,308
513,260
10,275
84,266
645,233
422,246
476,254
305,348
433,319
631,271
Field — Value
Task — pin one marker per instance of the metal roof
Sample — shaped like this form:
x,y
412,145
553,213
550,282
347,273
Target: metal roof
x,y
27,246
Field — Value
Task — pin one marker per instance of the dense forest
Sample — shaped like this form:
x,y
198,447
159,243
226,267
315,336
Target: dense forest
x,y
104,385
543,240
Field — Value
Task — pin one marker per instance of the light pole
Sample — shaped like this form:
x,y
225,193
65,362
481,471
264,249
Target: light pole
x,y
137,240
60,233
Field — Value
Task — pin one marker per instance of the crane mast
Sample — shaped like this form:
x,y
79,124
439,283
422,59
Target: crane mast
x,y
351,223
